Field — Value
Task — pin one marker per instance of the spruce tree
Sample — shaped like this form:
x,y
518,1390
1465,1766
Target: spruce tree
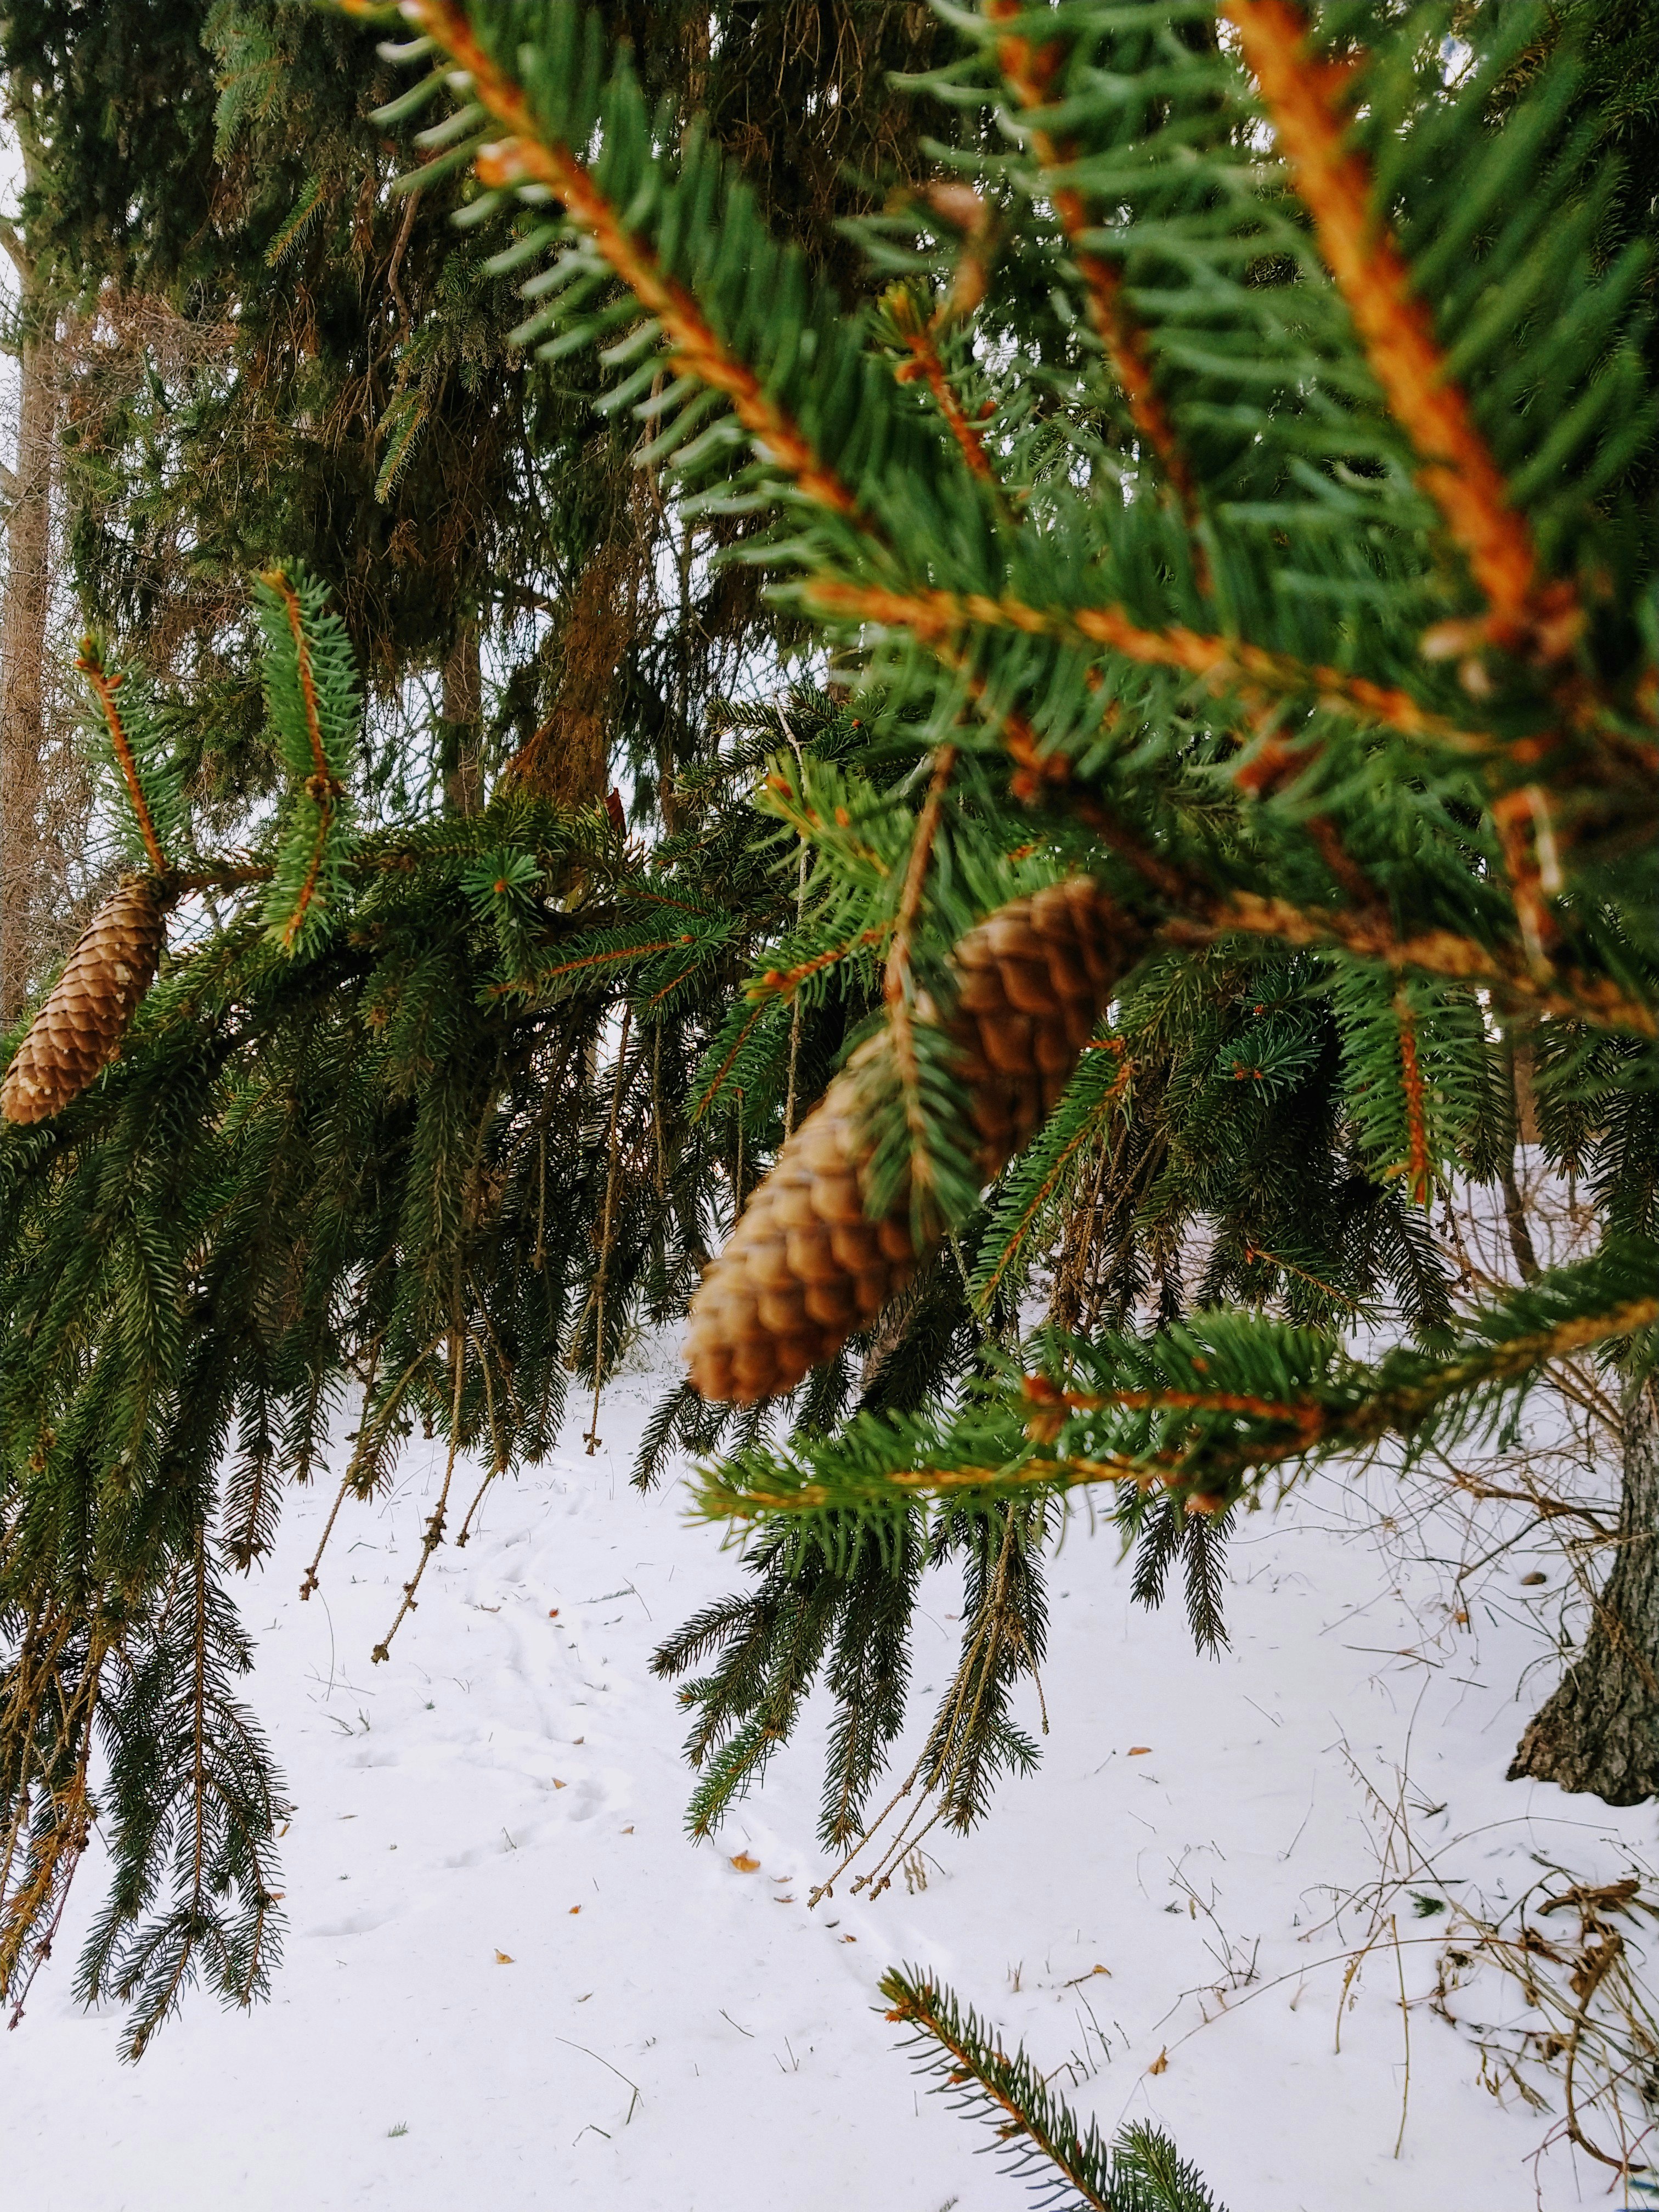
x,y
1328,665
1228,510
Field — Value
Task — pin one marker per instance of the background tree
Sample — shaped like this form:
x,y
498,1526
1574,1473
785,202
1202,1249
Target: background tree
x,y
355,399
43,872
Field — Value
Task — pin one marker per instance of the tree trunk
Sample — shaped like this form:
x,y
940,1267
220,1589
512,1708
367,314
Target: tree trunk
x,y
461,754
568,759
1600,1732
23,669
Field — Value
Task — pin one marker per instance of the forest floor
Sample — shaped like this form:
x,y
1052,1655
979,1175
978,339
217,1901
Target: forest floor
x,y
511,1981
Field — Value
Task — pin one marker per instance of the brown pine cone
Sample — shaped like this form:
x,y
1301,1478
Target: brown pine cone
x,y
805,1265
79,1030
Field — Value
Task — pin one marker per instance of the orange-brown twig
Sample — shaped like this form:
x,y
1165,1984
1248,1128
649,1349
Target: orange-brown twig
x,y
936,617
544,975
295,922
1570,992
1308,100
925,362
524,158
897,986
1029,69
278,581
104,690
1040,1391
784,982
1411,1089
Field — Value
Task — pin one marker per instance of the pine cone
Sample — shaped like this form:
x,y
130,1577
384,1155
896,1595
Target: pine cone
x,y
79,1030
805,1265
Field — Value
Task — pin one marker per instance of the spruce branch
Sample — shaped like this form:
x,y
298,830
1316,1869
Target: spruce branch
x,y
1030,69
312,693
527,157
1573,993
1307,98
919,336
1210,1409
941,616
1039,2138
104,686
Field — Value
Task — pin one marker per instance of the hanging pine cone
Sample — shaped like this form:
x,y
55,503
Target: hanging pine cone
x,y
79,1030
805,1265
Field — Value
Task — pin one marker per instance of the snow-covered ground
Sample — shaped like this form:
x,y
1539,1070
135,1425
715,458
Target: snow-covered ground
x,y
510,1981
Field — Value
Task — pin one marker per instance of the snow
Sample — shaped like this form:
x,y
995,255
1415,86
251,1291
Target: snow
x,y
512,1982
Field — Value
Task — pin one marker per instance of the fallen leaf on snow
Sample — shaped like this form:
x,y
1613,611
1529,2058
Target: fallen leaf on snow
x,y
1139,1750
629,1830
849,1939
576,1909
745,1864
1160,2064
558,1784
503,1958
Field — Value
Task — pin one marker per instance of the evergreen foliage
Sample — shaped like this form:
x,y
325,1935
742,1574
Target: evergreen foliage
x,y
1307,613
278,358
310,695
1039,2140
1231,499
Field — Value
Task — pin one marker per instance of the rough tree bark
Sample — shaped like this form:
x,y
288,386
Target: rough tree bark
x,y
568,758
27,490
462,711
1600,1732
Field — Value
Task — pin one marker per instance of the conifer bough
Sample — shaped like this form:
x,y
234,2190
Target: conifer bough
x,y
79,1030
807,1265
